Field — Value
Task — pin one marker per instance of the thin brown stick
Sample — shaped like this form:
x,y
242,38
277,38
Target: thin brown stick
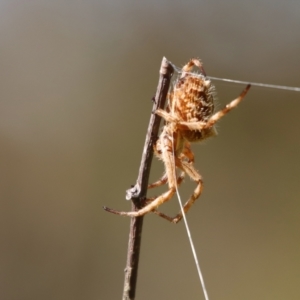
x,y
138,193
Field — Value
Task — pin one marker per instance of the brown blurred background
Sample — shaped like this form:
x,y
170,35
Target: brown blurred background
x,y
76,82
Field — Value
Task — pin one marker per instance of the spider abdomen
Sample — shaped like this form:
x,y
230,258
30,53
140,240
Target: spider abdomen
x,y
193,101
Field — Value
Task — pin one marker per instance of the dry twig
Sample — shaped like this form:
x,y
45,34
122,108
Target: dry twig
x,y
138,192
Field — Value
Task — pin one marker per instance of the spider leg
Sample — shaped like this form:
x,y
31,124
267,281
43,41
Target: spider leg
x,y
188,168
165,115
187,153
162,215
148,200
191,171
215,117
148,208
164,179
194,62
167,157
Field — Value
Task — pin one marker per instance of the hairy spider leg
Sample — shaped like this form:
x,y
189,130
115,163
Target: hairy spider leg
x,y
189,169
167,157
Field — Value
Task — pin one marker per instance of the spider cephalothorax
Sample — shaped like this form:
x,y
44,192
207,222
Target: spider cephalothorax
x,y
189,117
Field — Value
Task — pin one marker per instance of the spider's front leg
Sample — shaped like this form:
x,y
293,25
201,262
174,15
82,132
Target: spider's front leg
x,y
165,115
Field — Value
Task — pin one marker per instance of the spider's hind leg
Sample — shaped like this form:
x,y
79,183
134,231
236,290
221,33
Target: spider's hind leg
x,y
160,182
194,175
167,157
157,212
187,167
164,179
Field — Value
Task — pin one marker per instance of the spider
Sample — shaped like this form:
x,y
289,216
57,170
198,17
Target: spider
x,y
189,117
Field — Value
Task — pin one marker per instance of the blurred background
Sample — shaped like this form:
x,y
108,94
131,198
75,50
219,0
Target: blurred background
x,y
76,82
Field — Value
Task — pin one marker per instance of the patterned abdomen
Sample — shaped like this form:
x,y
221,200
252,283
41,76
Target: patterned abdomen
x,y
193,101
